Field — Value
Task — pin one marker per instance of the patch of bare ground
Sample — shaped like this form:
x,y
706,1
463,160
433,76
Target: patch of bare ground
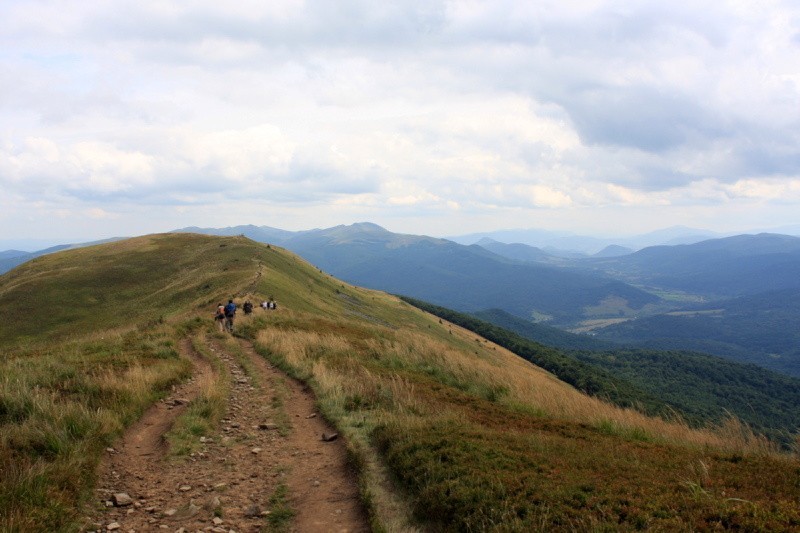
x,y
265,468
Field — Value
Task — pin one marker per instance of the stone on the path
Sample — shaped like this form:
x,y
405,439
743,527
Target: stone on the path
x,y
218,521
113,526
252,511
312,415
255,451
185,488
220,486
121,499
328,437
186,511
170,512
212,503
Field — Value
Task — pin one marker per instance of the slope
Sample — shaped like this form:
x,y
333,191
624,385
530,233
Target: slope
x,y
474,437
698,387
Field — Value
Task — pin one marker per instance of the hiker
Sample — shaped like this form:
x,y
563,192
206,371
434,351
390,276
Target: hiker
x,y
264,305
230,313
219,317
248,307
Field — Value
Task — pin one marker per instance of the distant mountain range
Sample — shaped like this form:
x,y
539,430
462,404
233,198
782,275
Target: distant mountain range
x,y
12,258
558,243
468,278
729,296
733,296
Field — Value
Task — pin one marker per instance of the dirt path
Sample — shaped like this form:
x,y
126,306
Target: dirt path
x,y
266,468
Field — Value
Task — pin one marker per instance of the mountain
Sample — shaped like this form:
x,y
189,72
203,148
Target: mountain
x,y
468,278
733,266
466,434
559,242
516,251
613,250
11,254
658,291
257,233
12,258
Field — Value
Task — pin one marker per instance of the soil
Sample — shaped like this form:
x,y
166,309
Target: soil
x,y
270,443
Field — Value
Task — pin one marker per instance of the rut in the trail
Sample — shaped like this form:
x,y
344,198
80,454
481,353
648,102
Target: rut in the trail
x,y
266,457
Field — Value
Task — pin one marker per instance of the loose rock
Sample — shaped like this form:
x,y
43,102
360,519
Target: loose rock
x,y
252,511
121,499
328,437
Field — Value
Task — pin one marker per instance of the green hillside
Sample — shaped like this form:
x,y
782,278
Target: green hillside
x,y
449,431
703,388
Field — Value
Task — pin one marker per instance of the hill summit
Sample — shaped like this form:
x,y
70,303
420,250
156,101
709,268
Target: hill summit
x,y
446,430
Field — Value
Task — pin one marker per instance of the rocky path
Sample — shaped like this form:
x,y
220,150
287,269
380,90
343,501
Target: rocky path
x,y
273,464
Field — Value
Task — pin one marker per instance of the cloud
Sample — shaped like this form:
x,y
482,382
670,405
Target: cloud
x,y
469,108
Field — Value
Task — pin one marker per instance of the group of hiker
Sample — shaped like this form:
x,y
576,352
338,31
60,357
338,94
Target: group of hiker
x,y
226,313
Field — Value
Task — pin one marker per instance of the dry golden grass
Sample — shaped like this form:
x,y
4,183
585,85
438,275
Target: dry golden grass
x,y
486,367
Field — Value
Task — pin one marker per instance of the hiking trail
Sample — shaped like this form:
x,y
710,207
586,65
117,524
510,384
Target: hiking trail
x,y
266,467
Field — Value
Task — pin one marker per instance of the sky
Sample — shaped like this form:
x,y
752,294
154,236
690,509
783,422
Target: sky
x,y
127,117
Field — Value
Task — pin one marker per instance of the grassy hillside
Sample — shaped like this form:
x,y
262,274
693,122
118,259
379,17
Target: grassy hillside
x,y
450,431
703,388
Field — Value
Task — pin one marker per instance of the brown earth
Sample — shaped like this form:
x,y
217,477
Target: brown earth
x,y
270,442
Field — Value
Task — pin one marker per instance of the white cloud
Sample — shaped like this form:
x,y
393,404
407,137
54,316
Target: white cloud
x,y
466,108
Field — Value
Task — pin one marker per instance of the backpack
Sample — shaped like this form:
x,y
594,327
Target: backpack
x,y
230,309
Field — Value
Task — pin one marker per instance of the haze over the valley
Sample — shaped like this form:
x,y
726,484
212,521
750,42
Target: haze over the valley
x,y
439,117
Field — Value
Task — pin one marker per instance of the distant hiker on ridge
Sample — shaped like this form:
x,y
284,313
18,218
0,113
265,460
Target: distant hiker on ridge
x,y
219,317
230,313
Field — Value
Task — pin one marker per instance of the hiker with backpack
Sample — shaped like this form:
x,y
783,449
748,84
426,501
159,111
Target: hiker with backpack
x,y
230,313
219,317
248,307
